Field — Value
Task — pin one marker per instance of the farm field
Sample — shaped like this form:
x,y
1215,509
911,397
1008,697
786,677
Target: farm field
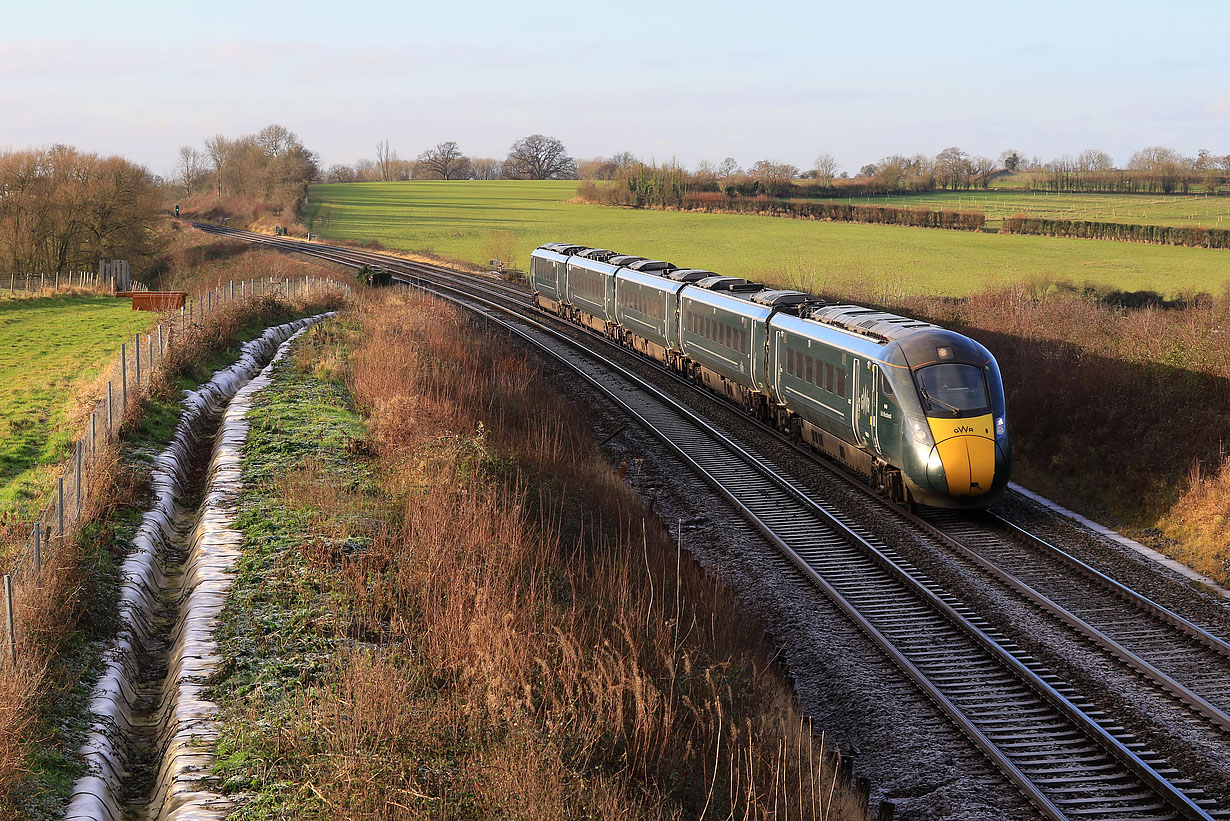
x,y
477,221
1144,209
53,347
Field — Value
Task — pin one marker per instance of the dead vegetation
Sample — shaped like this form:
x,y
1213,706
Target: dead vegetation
x,y
522,639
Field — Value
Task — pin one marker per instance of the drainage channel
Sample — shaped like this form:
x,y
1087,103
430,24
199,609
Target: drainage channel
x,y
149,750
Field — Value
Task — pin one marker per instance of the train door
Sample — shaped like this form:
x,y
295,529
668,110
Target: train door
x,y
866,403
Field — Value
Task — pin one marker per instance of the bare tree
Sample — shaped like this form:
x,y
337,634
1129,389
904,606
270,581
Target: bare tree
x,y
217,148
444,162
772,170
982,168
386,159
190,169
826,167
275,140
953,168
340,172
1093,159
538,157
727,168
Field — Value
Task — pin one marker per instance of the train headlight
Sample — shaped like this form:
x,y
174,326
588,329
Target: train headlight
x,y
920,432
1000,427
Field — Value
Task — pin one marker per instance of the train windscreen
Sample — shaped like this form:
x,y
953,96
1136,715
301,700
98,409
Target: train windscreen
x,y
952,390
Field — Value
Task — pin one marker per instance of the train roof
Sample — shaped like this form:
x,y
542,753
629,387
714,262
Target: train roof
x,y
626,260
649,265
566,248
600,254
879,325
690,274
734,285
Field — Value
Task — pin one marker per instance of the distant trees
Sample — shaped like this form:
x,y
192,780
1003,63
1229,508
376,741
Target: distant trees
x,y
727,168
486,168
772,170
191,170
1010,159
443,162
826,167
386,161
62,210
271,165
538,157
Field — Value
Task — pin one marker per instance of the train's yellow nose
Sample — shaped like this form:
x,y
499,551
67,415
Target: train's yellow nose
x,y
966,448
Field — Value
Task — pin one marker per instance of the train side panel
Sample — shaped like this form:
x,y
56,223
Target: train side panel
x,y
590,290
647,308
547,277
724,335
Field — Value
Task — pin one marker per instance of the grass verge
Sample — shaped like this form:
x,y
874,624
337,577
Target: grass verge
x,y
54,347
449,605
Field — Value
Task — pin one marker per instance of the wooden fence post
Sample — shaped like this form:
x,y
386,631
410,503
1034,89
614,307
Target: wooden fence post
x,y
124,379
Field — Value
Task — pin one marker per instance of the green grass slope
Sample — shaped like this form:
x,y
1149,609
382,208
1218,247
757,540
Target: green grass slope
x,y
476,221
52,347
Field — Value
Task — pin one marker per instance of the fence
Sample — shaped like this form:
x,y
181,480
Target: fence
x,y
58,518
36,283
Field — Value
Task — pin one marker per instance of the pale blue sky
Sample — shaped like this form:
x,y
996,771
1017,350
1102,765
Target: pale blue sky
x,y
752,80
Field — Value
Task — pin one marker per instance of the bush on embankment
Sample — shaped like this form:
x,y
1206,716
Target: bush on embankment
x,y
517,638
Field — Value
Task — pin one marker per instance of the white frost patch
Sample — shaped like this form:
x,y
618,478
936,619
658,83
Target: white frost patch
x,y
183,721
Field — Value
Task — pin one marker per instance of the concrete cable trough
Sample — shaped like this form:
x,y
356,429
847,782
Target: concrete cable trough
x,y
149,751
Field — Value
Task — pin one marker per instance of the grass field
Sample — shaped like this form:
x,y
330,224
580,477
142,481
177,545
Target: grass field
x,y
1142,209
53,347
478,221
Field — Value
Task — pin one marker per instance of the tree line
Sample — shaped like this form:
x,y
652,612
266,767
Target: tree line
x,y
272,166
62,209
535,157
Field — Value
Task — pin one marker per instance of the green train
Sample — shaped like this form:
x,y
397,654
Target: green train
x,y
917,409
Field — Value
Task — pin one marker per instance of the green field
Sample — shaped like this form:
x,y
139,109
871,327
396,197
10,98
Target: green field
x,y
1142,209
53,347
478,221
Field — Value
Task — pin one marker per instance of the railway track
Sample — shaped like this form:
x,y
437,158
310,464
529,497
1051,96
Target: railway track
x,y
1068,758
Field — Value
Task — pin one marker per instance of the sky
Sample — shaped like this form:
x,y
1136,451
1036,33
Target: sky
x,y
690,81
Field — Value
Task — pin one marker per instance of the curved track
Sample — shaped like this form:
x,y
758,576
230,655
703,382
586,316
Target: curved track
x,y
1067,758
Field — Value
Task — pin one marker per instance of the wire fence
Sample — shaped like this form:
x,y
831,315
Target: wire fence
x,y
58,519
38,283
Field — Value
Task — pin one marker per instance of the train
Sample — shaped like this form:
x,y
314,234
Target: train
x,y
916,409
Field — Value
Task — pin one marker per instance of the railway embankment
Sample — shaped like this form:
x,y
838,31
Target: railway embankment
x,y
448,602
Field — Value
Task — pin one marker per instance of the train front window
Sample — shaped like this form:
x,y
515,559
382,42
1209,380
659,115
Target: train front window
x,y
952,390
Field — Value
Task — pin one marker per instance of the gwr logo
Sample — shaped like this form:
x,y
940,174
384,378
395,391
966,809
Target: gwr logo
x,y
963,429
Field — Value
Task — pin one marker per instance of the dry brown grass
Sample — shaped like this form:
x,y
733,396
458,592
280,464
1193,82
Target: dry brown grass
x,y
541,648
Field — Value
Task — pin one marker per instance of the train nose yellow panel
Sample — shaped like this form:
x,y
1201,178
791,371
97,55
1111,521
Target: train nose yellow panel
x,y
969,464
966,448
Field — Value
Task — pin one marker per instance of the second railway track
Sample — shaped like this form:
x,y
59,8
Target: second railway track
x,y
1069,758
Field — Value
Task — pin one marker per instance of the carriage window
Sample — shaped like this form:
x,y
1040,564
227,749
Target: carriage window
x,y
809,371
886,386
841,382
